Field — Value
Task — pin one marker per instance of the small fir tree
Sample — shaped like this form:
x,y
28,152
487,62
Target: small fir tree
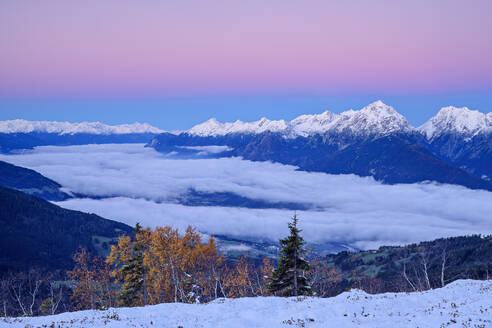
x,y
289,279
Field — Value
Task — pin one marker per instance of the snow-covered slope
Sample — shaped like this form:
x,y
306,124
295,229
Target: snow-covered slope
x,y
374,119
457,120
23,126
463,303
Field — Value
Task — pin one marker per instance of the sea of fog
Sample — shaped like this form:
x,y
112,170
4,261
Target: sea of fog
x,y
131,183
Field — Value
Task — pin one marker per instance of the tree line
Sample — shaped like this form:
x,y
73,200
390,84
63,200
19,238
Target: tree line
x,y
163,265
156,266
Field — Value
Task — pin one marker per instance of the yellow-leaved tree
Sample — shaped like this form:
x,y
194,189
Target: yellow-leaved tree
x,y
163,266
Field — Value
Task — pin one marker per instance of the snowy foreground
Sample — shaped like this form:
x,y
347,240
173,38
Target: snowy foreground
x,y
464,303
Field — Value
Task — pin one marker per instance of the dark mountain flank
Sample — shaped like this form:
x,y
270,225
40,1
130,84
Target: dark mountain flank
x,y
36,233
393,158
30,182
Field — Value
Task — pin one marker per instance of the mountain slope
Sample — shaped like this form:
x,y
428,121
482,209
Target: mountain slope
x,y
37,233
30,182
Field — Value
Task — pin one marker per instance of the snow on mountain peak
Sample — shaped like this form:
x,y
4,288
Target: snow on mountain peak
x,y
24,126
316,123
457,120
214,128
374,119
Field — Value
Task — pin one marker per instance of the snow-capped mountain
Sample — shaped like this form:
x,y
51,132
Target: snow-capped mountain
x,y
462,137
375,119
23,126
457,120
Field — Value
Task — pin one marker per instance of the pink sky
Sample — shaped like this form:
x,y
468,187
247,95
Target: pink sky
x,y
147,48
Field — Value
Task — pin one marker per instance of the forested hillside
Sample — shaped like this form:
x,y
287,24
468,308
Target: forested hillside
x,y
36,233
422,266
30,182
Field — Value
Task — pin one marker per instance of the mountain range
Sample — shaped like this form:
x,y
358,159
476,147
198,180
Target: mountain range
x,y
21,134
454,147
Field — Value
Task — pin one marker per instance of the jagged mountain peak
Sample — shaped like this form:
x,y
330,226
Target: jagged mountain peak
x,y
461,120
380,108
24,126
375,118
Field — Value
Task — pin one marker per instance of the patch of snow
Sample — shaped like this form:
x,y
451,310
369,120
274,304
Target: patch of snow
x,y
23,126
463,303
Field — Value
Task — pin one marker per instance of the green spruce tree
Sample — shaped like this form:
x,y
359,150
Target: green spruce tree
x,y
133,290
289,279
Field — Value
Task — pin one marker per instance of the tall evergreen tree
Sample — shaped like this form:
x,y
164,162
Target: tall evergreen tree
x,y
288,279
133,290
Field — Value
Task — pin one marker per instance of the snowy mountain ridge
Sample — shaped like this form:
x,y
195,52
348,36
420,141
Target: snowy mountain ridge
x,y
376,118
64,128
212,127
457,120
463,303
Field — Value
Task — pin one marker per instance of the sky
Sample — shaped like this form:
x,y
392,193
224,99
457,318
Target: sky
x,y
137,184
176,63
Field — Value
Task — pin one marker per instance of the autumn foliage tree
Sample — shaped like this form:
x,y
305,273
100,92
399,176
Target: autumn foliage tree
x,y
244,279
92,284
177,268
162,265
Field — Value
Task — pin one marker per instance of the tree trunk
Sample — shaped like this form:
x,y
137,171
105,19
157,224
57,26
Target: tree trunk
x,y
144,288
443,267
295,273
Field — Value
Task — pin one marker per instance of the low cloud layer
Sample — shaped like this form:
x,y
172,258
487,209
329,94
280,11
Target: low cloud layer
x,y
361,212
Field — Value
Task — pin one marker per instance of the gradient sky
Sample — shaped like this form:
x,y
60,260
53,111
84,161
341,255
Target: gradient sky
x,y
175,63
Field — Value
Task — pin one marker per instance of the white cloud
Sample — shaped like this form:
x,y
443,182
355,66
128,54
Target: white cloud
x,y
207,150
358,211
